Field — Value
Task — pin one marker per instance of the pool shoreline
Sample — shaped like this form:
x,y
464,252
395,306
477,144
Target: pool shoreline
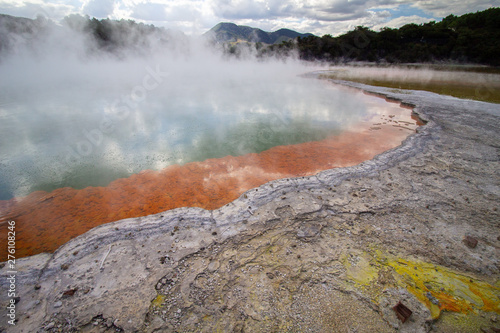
x,y
47,220
343,234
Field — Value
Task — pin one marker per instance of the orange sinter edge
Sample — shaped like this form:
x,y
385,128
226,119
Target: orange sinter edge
x,y
45,221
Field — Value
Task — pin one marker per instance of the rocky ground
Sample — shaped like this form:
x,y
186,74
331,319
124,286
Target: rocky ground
x,y
335,252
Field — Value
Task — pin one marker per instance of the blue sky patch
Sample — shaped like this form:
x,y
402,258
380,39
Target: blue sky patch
x,y
405,10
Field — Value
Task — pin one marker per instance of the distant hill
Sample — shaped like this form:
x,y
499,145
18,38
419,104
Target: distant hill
x,y
230,32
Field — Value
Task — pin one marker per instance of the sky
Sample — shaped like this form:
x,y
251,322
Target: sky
x,y
194,17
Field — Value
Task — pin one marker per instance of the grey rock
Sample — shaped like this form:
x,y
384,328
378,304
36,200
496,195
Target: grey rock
x,y
418,186
49,326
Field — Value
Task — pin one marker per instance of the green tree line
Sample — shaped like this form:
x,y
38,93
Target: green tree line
x,y
111,35
470,38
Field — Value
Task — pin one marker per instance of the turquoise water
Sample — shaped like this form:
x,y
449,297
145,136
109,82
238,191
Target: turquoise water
x,y
81,135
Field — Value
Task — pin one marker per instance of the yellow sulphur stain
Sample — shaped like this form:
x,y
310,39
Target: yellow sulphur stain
x,y
439,288
359,269
158,301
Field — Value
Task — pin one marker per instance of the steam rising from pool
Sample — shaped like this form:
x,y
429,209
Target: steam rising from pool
x,y
73,119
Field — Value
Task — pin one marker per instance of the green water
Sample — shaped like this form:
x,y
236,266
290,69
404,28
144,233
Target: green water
x,y
90,138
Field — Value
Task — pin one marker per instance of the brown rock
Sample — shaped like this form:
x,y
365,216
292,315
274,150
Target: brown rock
x,y
402,312
470,241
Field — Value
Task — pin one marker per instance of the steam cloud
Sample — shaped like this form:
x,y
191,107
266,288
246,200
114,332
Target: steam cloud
x,y
72,104
84,95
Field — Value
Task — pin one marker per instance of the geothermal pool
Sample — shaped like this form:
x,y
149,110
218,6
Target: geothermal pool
x,y
70,162
90,138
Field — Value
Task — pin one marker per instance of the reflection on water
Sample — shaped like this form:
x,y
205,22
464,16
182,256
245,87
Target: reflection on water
x,y
202,152
467,82
60,140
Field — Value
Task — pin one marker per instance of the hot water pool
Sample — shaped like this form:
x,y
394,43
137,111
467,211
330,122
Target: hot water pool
x,y
70,162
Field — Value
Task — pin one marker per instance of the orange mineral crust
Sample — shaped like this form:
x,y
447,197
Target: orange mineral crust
x,y
45,221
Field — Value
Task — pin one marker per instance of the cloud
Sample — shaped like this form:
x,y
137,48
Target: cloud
x,y
157,12
326,16
183,12
401,21
98,8
338,10
149,12
443,8
197,16
32,9
243,9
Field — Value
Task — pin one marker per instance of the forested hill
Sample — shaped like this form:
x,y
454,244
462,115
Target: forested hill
x,y
230,32
111,36
471,38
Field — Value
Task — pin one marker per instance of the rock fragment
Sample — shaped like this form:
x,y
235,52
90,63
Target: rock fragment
x,y
470,241
402,312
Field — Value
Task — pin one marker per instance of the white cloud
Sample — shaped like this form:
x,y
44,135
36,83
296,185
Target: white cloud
x,y
149,12
401,21
183,12
34,8
241,9
443,8
98,8
197,16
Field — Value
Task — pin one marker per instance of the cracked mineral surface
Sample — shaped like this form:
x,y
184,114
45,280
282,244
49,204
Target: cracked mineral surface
x,y
333,252
47,220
